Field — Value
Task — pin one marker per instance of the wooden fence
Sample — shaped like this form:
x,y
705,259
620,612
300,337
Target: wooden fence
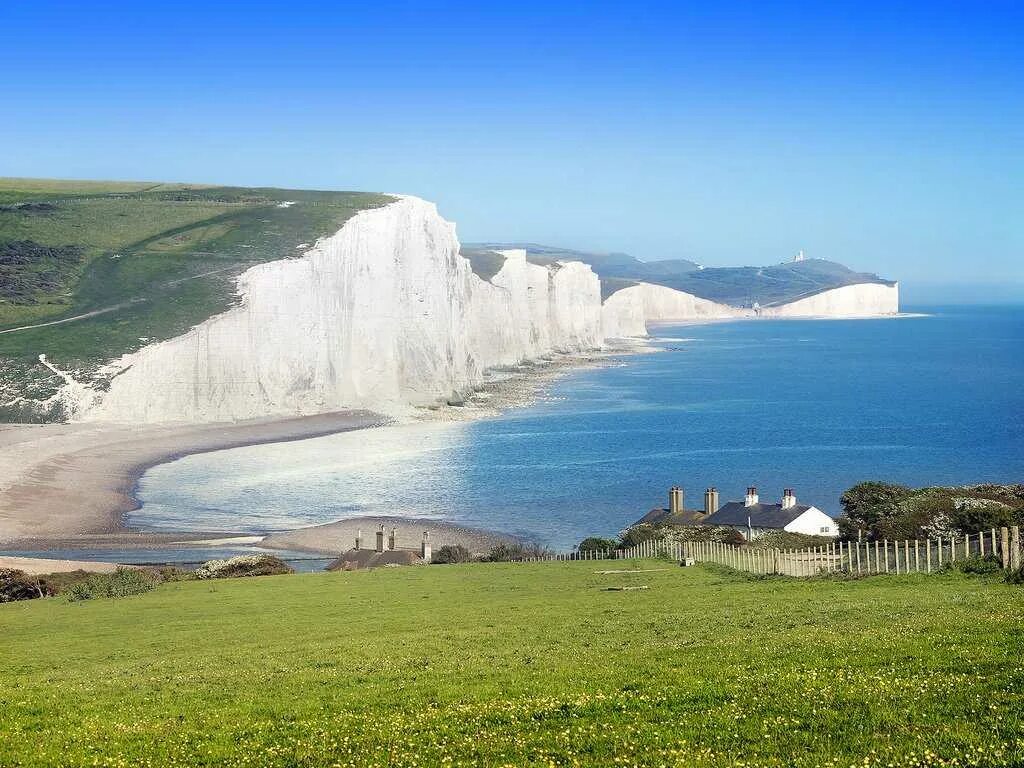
x,y
855,558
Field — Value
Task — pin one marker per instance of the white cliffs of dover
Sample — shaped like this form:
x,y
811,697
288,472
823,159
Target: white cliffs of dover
x,y
384,315
628,311
858,300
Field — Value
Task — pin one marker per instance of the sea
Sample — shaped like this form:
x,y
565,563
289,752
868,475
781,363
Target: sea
x,y
935,397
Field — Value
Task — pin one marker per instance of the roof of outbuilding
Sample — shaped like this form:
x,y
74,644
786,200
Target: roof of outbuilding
x,y
686,517
759,515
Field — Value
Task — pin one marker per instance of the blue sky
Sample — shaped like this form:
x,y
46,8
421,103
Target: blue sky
x,y
889,136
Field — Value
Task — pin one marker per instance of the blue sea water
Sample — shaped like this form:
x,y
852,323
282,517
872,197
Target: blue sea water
x,y
816,405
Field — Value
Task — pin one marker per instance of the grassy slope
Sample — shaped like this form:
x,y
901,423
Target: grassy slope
x,y
519,664
163,256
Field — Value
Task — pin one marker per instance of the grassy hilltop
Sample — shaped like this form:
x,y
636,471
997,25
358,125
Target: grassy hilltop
x,y
105,267
520,664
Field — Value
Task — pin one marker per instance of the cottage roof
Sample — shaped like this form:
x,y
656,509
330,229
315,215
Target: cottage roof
x,y
759,515
686,517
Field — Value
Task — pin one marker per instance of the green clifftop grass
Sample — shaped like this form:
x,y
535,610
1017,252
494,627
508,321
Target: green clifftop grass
x,y
152,259
493,664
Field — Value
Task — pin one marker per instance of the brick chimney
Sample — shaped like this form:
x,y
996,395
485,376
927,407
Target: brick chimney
x,y
675,500
788,499
391,539
425,552
380,539
751,499
359,539
711,501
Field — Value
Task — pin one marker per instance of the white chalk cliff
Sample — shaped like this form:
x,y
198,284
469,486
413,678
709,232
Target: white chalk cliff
x,y
387,315
628,311
859,300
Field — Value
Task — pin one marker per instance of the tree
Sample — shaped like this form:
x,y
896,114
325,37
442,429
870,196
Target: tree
x,y
597,544
870,506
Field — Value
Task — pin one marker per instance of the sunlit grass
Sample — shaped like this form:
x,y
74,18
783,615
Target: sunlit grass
x,y
520,664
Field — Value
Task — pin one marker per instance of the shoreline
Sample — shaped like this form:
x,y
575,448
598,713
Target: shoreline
x,y
74,485
66,481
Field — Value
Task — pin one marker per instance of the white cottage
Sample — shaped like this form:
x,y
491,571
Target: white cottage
x,y
752,518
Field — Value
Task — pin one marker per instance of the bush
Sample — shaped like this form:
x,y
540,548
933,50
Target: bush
x,y
451,553
121,583
980,516
242,566
18,585
1015,577
597,544
510,552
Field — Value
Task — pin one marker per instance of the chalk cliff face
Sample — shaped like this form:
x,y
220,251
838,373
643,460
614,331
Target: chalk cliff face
x,y
860,300
628,311
386,315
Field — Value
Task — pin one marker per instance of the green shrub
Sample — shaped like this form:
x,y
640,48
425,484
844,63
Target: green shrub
x,y
975,564
1015,577
513,551
18,585
243,566
121,583
597,544
984,516
451,553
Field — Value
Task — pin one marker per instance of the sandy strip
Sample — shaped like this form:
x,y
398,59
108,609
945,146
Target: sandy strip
x,y
35,566
339,537
68,480
71,485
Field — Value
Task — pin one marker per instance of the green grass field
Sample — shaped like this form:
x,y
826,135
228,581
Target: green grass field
x,y
495,664
152,259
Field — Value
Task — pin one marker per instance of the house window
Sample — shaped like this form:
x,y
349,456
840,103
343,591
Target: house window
x,y
826,529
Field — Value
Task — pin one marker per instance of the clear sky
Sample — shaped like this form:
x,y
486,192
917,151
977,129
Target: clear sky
x,y
889,136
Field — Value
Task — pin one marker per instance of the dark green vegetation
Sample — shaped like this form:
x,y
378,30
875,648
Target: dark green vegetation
x,y
123,582
737,286
142,262
538,664
877,510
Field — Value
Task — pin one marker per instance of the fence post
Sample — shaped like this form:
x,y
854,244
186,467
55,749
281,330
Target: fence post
x,y
1004,546
906,555
928,553
1015,547
967,545
995,547
885,550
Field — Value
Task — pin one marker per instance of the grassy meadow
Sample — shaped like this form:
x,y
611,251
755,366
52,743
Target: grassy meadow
x,y
520,664
142,262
